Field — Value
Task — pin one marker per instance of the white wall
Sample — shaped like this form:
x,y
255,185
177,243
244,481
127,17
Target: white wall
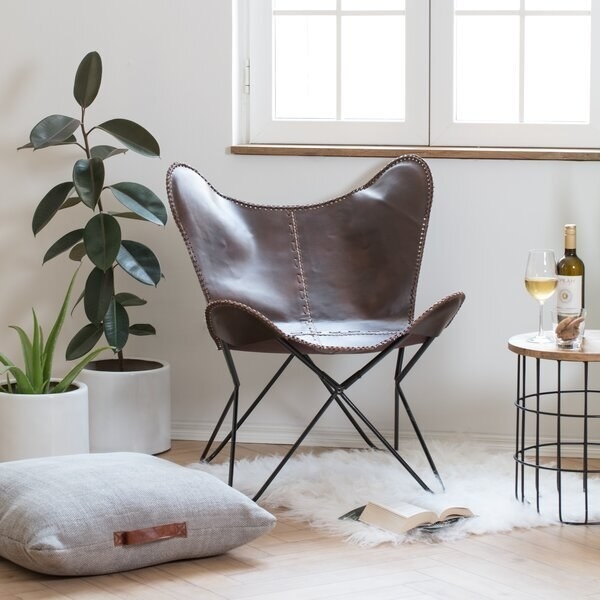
x,y
167,65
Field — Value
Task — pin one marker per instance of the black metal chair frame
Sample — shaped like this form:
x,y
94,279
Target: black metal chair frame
x,y
337,394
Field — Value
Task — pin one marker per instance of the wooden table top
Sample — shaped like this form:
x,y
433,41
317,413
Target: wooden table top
x,y
589,351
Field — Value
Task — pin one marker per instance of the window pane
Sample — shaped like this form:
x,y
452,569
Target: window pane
x,y
557,75
305,67
373,4
303,4
373,67
486,4
487,68
558,4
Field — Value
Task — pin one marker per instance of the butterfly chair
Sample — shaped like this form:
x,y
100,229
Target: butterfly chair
x,y
338,277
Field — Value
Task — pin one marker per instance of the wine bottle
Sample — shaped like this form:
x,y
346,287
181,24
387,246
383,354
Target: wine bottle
x,y
570,269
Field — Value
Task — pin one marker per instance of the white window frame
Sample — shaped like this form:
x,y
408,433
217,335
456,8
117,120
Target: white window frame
x,y
263,128
445,131
429,104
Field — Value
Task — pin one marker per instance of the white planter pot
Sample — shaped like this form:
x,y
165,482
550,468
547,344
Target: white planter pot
x,y
130,411
35,425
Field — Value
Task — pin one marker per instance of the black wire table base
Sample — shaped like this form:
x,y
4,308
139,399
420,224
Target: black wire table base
x,y
556,409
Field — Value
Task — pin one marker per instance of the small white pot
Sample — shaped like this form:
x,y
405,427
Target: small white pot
x,y
130,411
36,425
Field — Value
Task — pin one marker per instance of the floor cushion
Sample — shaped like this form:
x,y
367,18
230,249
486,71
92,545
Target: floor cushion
x,y
100,513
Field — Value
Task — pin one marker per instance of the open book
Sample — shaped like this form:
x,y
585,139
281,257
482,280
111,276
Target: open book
x,y
404,517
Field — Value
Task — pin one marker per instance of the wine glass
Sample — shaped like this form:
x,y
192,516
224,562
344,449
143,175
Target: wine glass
x,y
540,281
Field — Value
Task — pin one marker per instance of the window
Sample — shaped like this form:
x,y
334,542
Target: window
x,y
418,72
339,71
513,72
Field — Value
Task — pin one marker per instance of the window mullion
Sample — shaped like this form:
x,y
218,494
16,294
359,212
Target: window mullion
x,y
338,49
522,62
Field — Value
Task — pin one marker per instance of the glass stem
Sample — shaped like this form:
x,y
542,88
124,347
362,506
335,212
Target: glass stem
x,y
541,321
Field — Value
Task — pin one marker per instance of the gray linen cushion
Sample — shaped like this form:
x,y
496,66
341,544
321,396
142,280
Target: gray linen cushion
x,y
100,513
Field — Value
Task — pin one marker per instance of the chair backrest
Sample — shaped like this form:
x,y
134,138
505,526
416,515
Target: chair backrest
x,y
356,257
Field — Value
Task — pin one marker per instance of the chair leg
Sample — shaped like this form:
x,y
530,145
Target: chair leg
x,y
399,361
213,435
346,412
399,395
339,392
234,409
295,446
244,416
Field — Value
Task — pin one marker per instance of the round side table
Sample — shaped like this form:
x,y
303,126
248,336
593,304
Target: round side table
x,y
558,406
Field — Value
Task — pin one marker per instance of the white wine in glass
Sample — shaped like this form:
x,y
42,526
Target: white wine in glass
x,y
540,281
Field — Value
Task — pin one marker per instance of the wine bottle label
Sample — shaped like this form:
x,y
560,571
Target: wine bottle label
x,y
569,293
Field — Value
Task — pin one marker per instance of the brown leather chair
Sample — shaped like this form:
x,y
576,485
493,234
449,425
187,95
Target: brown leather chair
x,y
338,277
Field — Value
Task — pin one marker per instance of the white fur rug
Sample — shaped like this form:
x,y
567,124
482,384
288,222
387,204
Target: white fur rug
x,y
319,488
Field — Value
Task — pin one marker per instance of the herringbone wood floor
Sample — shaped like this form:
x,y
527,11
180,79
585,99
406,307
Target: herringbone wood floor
x,y
297,562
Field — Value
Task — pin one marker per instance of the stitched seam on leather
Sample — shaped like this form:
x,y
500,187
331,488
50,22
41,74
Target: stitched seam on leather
x,y
319,347
182,230
316,206
343,333
297,254
422,237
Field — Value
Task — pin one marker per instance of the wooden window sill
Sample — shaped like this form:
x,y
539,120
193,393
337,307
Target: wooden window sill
x,y
423,151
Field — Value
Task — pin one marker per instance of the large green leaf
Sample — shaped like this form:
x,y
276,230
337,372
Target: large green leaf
x,y
87,79
105,152
102,239
134,136
63,244
88,178
78,252
126,215
141,200
53,130
116,325
72,201
49,205
139,261
83,341
127,299
70,140
99,291
142,329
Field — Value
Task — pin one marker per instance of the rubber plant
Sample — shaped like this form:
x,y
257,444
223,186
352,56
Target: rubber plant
x,y
101,238
38,356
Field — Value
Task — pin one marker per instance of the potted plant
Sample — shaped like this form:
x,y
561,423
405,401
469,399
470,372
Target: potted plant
x,y
41,416
125,414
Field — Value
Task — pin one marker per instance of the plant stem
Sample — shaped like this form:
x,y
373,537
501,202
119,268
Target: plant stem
x,y
84,133
121,360
86,147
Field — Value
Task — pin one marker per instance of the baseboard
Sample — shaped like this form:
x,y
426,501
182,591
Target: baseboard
x,y
348,438
329,437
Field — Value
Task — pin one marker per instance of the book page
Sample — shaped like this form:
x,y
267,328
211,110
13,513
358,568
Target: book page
x,y
455,511
400,518
407,510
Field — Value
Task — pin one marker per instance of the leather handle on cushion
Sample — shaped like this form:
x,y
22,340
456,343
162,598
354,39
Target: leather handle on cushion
x,y
149,534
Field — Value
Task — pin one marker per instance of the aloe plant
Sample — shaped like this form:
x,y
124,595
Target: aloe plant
x,y
100,239
38,356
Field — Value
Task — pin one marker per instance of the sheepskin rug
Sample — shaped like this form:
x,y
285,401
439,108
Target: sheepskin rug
x,y
318,488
